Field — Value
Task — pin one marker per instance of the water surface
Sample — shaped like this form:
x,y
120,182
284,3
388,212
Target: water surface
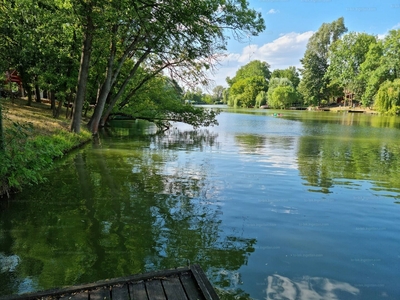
x,y
303,206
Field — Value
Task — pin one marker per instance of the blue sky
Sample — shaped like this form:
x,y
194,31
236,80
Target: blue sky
x,y
290,23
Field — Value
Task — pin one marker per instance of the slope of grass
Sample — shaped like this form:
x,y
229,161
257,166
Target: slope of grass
x,y
33,139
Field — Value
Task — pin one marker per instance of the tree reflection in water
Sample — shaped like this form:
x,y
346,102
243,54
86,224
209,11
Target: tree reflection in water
x,y
125,206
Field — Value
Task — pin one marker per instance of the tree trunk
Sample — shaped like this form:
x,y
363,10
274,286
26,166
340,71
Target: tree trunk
x,y
105,89
2,143
52,97
29,94
123,87
37,93
83,74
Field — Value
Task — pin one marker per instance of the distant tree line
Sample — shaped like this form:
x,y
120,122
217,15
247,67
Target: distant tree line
x,y
337,67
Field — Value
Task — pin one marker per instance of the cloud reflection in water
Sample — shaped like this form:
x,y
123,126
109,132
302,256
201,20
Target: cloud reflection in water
x,y
306,288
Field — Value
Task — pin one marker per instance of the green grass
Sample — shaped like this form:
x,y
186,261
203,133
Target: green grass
x,y
33,140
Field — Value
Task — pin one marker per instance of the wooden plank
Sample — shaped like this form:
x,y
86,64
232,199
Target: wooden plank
x,y
84,295
180,284
102,293
155,290
120,292
173,288
189,284
137,291
205,285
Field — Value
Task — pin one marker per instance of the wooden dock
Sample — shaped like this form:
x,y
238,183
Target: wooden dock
x,y
187,283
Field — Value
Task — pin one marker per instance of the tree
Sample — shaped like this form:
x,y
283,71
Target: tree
x,y
195,95
21,26
218,93
282,97
388,97
183,38
248,82
346,56
245,91
123,44
281,93
261,99
382,64
253,68
314,84
160,102
289,73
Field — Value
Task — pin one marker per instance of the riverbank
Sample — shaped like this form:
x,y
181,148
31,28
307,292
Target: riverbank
x,y
33,139
358,109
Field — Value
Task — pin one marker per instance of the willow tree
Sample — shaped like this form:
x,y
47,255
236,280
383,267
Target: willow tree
x,y
388,97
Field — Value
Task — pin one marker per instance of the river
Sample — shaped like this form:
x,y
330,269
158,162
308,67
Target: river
x,y
304,206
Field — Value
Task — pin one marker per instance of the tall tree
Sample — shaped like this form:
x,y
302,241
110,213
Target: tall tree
x,y
183,38
388,97
218,93
314,85
382,64
281,93
244,91
346,56
290,73
87,11
248,82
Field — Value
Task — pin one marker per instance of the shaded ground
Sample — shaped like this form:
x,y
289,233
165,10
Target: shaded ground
x,y
39,114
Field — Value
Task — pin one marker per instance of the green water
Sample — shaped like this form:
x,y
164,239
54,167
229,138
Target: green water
x,y
302,206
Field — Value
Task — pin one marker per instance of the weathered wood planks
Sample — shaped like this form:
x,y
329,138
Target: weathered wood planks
x,y
188,283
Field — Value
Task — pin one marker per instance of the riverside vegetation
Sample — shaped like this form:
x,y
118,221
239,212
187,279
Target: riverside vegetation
x,y
114,56
32,140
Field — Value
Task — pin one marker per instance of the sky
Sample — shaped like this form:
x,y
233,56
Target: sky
x,y
290,23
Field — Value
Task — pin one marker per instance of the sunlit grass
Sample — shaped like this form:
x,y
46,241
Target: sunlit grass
x,y
33,139
39,115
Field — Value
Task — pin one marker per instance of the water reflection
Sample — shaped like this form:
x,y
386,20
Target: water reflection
x,y
308,288
126,206
234,198
329,152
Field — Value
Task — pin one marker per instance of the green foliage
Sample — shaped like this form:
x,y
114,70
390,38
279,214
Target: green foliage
x,y
289,73
382,63
26,157
283,96
388,97
194,95
248,82
244,91
218,92
160,102
314,86
252,69
2,143
346,57
261,99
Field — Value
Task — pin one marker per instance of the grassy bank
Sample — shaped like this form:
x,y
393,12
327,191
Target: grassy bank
x,y
32,140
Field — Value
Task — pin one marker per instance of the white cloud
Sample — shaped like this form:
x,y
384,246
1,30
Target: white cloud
x,y
397,26
272,11
383,35
285,51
